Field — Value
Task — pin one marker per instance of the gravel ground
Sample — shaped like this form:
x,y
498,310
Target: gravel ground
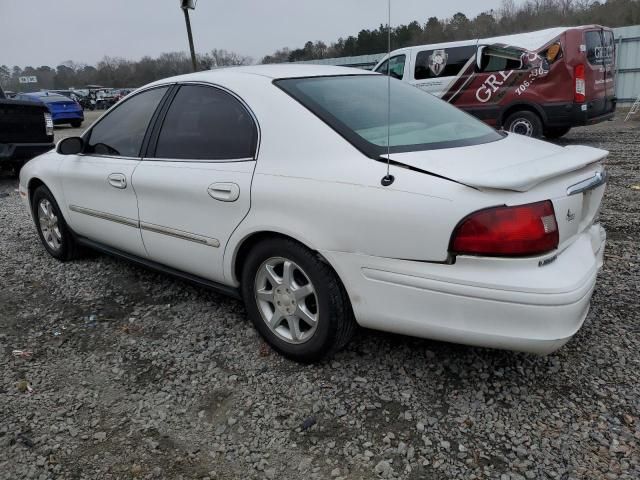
x,y
138,375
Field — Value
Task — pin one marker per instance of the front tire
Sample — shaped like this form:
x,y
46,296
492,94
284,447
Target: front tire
x,y
76,123
525,123
52,228
296,301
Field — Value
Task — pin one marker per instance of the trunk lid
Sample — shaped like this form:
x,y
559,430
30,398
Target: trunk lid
x,y
516,163
63,106
571,177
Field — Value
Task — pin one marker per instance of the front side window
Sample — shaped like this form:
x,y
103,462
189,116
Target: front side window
x,y
206,123
397,66
121,132
442,62
356,106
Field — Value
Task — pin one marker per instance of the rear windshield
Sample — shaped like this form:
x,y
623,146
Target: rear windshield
x,y
356,106
600,47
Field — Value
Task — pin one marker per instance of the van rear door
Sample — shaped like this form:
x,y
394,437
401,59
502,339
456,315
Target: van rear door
x,y
596,73
609,45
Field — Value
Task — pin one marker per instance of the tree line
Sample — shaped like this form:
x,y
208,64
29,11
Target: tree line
x,y
509,18
115,72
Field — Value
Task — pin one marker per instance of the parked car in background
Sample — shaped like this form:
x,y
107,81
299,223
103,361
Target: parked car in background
x,y
74,95
272,183
536,84
63,109
119,93
26,130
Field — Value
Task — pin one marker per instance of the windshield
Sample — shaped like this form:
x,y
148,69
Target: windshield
x,y
356,106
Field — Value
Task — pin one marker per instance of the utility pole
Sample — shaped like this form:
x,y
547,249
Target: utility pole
x,y
187,5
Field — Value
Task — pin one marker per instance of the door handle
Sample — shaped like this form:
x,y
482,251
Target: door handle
x,y
225,192
118,180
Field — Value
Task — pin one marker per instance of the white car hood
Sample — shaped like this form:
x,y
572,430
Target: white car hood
x,y
514,163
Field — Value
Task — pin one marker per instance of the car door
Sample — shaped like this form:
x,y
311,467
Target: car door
x,y
99,195
194,184
436,69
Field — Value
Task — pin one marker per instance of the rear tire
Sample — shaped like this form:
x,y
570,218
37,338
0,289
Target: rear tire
x,y
76,123
313,316
525,123
55,235
556,132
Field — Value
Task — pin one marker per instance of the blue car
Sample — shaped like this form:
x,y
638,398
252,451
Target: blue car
x,y
63,109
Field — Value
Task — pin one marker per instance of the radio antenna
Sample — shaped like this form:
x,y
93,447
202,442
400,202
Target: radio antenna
x,y
388,178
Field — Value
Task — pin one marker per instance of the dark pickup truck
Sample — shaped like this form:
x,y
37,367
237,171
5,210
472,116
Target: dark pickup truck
x,y
26,130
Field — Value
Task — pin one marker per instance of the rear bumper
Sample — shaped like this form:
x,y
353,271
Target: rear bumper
x,y
67,117
579,114
22,151
512,304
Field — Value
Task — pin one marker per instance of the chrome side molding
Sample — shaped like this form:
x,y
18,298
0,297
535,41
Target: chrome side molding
x,y
150,227
598,179
172,232
130,222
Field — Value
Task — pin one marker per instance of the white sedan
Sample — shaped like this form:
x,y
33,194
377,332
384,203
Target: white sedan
x,y
287,186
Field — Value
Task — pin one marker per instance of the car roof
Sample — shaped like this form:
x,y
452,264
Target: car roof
x,y
272,71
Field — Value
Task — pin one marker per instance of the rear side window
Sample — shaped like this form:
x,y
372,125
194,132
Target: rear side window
x,y
397,66
442,62
206,123
121,132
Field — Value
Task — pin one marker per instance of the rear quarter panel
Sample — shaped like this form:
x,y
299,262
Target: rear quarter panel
x,y
313,186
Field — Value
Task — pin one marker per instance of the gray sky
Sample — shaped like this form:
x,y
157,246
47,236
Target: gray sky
x,y
48,32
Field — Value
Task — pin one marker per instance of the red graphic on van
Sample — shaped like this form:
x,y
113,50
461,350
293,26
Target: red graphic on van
x,y
538,84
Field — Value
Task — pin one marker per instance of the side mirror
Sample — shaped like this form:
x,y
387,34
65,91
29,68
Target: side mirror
x,y
70,146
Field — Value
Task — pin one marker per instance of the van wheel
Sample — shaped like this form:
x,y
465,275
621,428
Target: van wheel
x,y
556,132
525,123
296,301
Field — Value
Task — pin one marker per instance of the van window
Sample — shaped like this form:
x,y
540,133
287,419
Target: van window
x,y
593,39
442,62
495,63
609,50
397,66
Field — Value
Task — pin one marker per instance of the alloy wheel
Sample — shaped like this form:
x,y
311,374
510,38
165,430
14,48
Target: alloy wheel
x,y
287,300
49,225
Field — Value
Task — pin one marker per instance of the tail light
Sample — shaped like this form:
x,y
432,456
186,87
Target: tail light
x,y
508,231
48,124
578,73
